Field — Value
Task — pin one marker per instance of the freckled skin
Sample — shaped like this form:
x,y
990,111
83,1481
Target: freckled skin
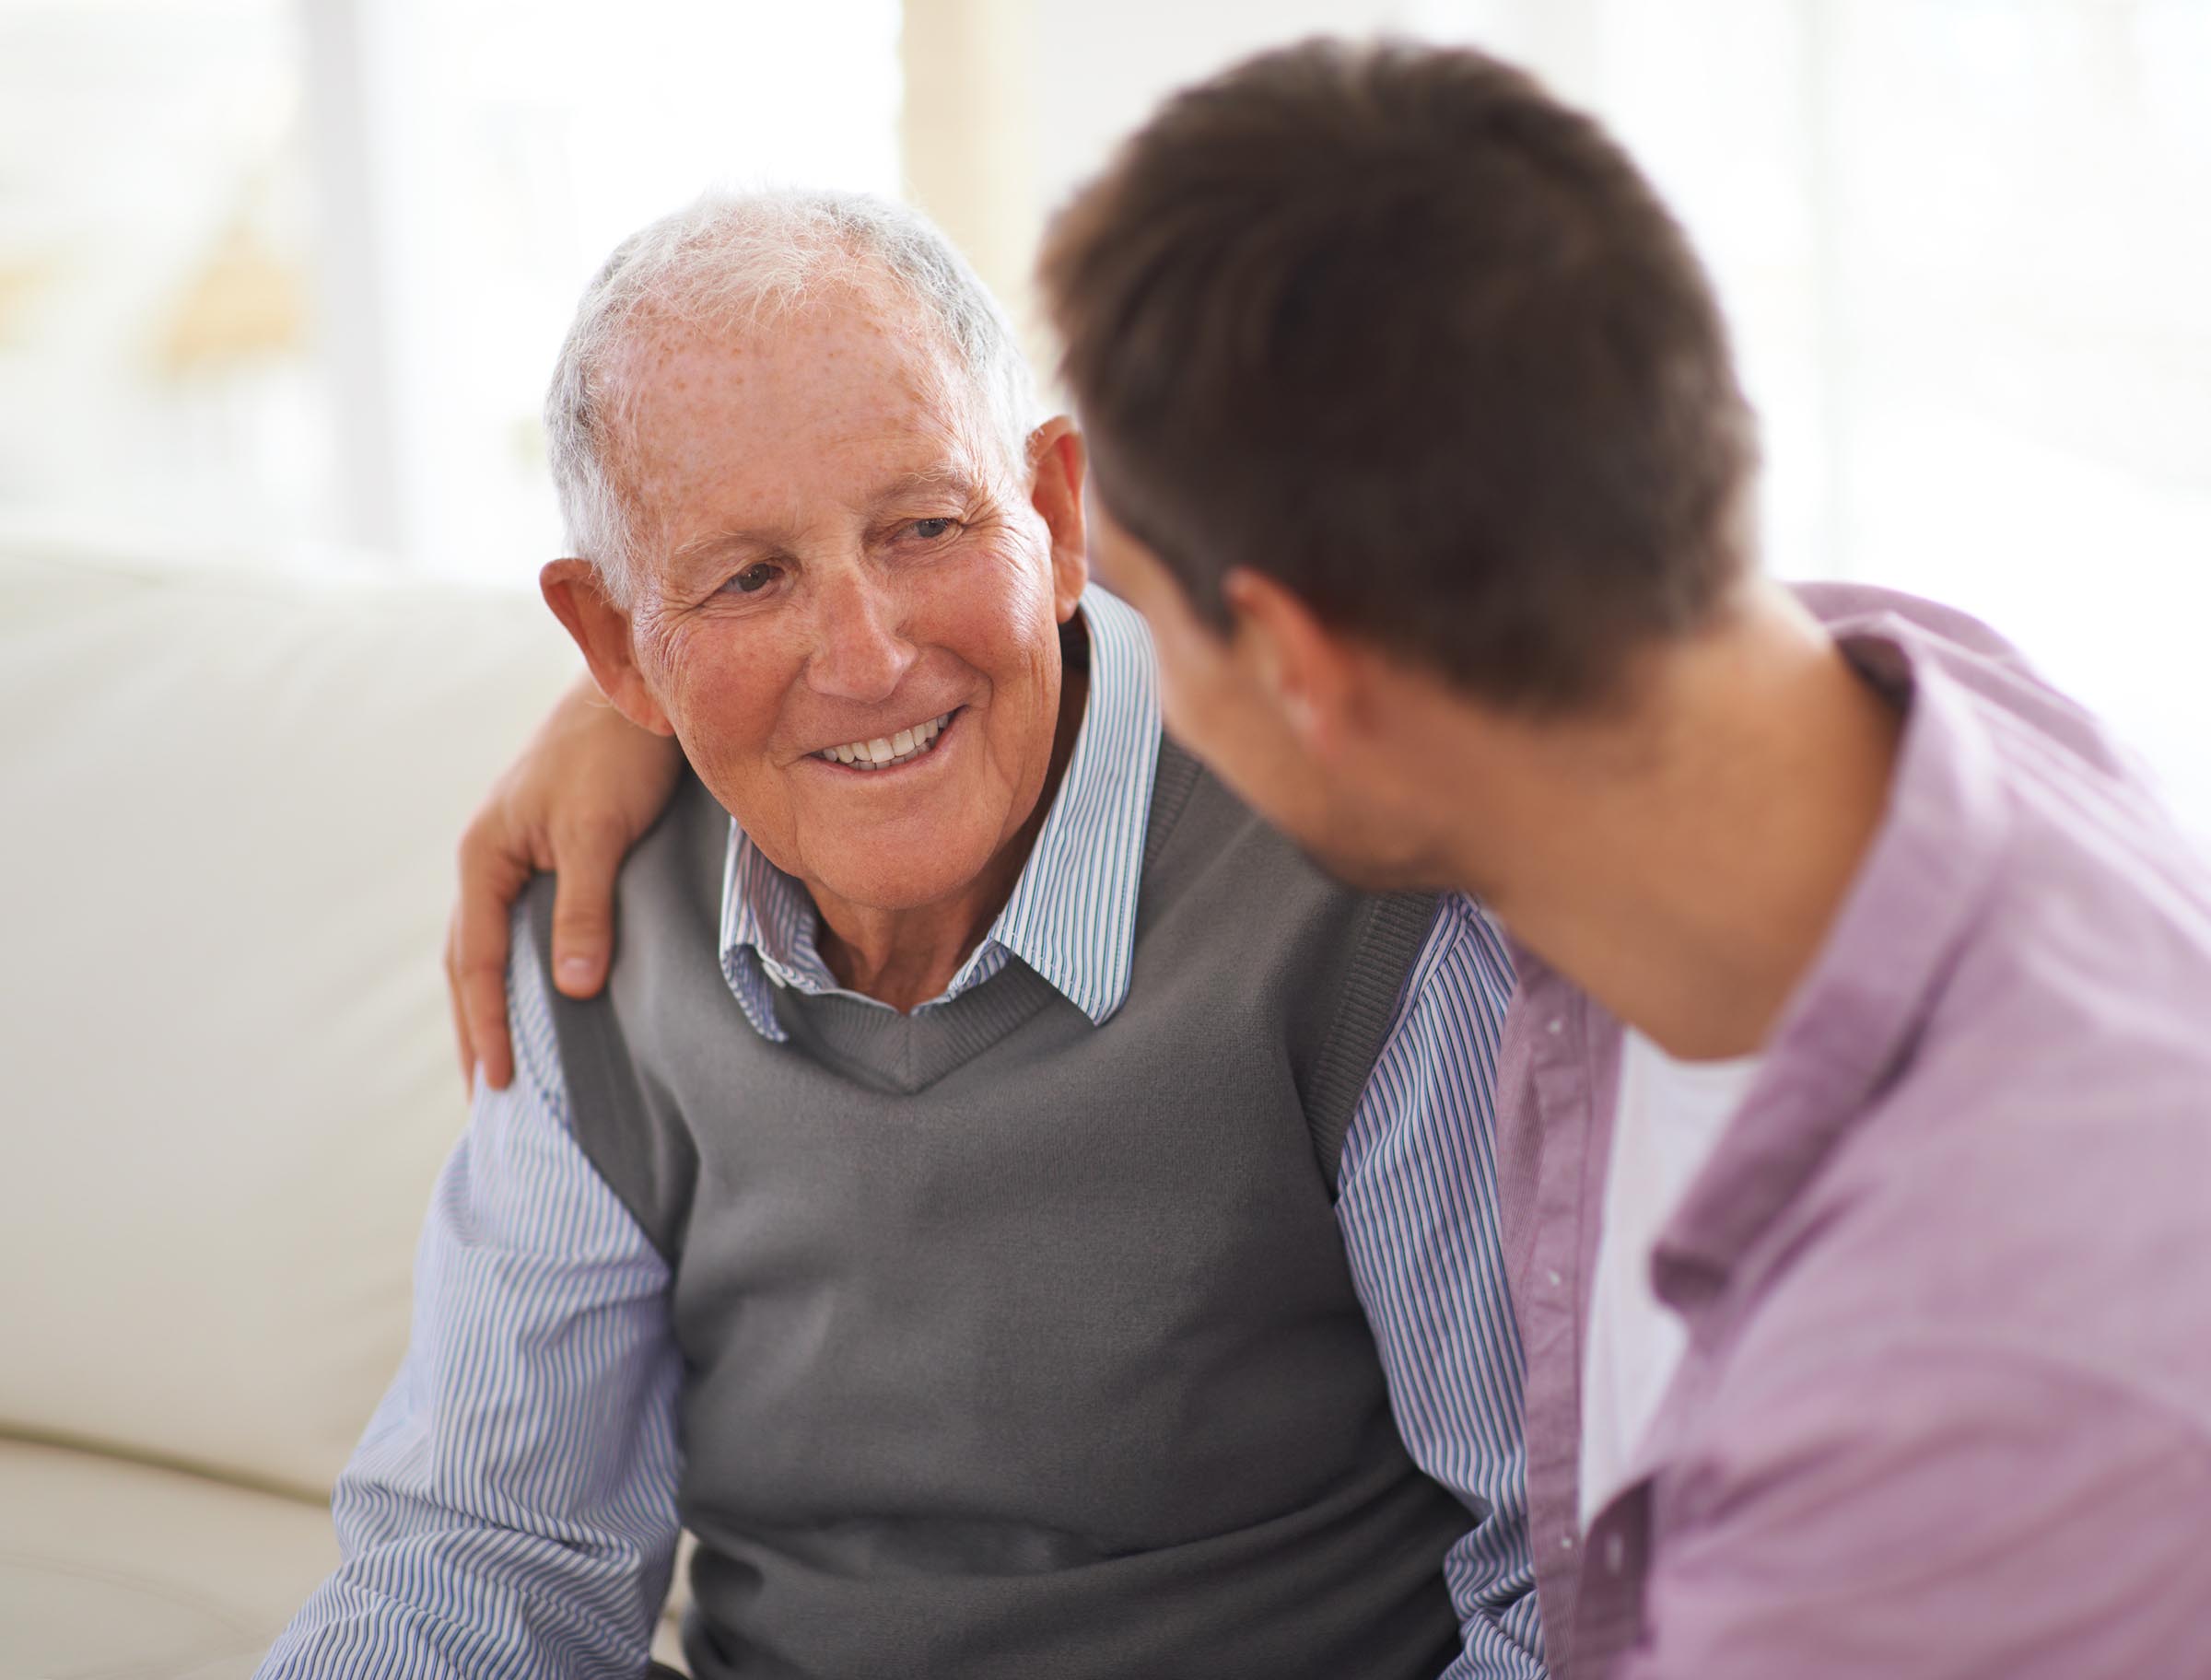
x,y
833,459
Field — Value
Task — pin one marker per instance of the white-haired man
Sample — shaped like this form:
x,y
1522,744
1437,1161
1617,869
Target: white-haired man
x,y
944,1214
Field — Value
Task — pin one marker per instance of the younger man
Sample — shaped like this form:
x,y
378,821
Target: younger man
x,y
1855,1117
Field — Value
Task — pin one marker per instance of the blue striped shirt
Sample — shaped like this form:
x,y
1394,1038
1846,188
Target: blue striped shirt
x,y
510,1511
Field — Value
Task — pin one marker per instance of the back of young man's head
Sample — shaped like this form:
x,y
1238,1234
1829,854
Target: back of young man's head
x,y
1394,327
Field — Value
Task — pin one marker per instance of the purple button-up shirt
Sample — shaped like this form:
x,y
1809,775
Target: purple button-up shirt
x,y
1946,1409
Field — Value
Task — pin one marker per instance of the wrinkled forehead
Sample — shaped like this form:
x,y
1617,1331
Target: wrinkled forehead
x,y
854,379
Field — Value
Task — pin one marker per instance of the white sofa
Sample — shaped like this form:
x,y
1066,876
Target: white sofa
x,y
230,799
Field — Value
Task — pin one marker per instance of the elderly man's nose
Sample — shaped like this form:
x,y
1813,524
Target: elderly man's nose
x,y
859,652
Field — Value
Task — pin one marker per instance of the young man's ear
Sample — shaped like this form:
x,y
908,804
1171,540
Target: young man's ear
x,y
573,589
1058,463
1310,672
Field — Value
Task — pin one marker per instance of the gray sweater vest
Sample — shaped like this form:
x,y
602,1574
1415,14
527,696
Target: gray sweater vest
x,y
1021,1349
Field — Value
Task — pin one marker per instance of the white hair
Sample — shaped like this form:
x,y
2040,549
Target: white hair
x,y
737,260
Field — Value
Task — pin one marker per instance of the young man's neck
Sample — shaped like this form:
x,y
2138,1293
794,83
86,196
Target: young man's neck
x,y
1683,862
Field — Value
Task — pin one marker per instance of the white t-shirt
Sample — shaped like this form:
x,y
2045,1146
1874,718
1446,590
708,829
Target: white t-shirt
x,y
1670,1116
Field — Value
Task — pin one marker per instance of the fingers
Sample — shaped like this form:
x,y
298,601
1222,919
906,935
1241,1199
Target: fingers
x,y
585,754
586,856
476,973
453,998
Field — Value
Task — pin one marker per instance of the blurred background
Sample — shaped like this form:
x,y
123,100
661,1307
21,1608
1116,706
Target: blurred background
x,y
280,280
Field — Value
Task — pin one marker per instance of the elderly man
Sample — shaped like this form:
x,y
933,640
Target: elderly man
x,y
944,1216
1855,1108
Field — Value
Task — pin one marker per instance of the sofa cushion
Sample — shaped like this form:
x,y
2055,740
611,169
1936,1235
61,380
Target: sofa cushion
x,y
125,1572
116,1570
232,801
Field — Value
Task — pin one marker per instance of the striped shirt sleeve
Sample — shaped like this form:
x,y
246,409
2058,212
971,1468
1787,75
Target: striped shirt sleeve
x,y
511,1510
1417,1204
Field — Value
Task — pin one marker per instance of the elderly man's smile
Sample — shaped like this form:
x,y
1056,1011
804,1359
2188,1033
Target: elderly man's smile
x,y
893,752
850,599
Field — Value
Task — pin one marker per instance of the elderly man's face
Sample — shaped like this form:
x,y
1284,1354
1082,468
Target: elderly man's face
x,y
847,611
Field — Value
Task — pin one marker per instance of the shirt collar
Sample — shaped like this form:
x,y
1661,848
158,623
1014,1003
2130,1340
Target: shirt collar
x,y
1854,1017
1073,913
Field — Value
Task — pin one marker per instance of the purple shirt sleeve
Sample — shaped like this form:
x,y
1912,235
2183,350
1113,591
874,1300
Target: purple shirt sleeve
x,y
1924,1506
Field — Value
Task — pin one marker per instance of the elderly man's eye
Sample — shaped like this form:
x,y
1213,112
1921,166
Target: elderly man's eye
x,y
928,530
754,578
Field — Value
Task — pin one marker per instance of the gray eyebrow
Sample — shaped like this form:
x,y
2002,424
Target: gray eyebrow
x,y
947,475
950,475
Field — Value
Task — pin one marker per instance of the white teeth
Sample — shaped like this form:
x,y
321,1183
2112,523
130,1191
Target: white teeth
x,y
887,750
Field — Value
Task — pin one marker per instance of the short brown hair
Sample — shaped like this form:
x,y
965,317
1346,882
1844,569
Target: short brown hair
x,y
1394,326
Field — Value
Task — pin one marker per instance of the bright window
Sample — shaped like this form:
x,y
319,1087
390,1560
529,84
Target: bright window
x,y
287,280
1966,247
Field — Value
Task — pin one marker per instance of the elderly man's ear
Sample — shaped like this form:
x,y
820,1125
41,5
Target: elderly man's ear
x,y
1058,463
574,591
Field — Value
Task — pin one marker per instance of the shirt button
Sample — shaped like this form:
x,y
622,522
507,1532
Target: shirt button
x,y
1566,1542
1555,1278
1557,1026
